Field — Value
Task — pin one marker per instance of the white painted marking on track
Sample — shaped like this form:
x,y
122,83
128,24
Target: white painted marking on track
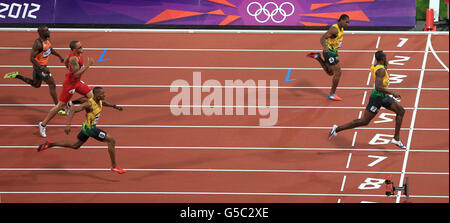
x,y
226,50
437,57
378,159
209,193
222,86
364,98
241,148
226,170
222,106
224,126
348,160
221,68
354,138
413,120
402,42
343,183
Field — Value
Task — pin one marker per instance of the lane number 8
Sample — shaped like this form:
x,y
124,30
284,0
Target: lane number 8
x,y
371,184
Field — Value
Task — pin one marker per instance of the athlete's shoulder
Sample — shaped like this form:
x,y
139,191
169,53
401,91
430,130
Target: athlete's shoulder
x,y
73,58
87,105
37,44
333,31
380,69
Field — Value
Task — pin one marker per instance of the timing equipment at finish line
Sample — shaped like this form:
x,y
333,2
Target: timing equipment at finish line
x,y
270,14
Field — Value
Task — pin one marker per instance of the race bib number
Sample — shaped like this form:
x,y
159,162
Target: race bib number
x,y
47,52
331,59
373,109
102,135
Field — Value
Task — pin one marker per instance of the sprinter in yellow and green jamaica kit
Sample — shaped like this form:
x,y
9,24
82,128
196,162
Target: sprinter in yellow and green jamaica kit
x,y
381,96
93,107
331,41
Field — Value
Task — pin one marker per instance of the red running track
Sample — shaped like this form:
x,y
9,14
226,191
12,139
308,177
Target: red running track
x,y
229,158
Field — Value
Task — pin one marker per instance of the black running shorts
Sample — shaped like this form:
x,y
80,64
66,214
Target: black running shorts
x,y
96,133
375,103
331,58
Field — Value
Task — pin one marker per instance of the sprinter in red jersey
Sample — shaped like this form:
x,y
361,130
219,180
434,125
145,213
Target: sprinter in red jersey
x,y
71,83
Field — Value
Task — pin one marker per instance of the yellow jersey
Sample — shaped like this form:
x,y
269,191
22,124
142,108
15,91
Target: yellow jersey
x,y
373,71
93,116
334,43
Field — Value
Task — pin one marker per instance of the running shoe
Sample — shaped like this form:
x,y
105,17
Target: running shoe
x,y
398,143
42,130
334,97
117,169
11,75
313,55
62,112
332,132
43,146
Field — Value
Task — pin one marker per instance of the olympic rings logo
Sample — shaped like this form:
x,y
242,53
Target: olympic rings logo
x,y
271,14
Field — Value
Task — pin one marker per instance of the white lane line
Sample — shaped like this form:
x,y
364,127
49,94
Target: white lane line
x,y
223,106
208,193
224,126
413,120
436,56
220,68
222,50
378,43
226,170
343,183
221,86
348,160
354,138
239,148
364,98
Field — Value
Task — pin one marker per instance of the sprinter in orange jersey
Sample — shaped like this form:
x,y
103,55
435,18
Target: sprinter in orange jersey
x,y
42,48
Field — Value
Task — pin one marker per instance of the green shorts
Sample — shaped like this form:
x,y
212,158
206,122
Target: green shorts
x,y
95,133
331,58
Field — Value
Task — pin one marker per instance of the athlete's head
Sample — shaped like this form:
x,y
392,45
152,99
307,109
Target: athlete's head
x,y
76,47
380,56
99,93
344,20
43,32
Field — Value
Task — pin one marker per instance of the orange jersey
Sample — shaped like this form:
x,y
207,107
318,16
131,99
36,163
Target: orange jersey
x,y
42,57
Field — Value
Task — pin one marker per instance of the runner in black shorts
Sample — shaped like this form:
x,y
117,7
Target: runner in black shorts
x,y
39,56
330,58
380,96
331,41
375,103
93,107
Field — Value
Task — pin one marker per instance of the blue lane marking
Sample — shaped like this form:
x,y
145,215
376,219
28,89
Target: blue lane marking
x,y
103,54
287,76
